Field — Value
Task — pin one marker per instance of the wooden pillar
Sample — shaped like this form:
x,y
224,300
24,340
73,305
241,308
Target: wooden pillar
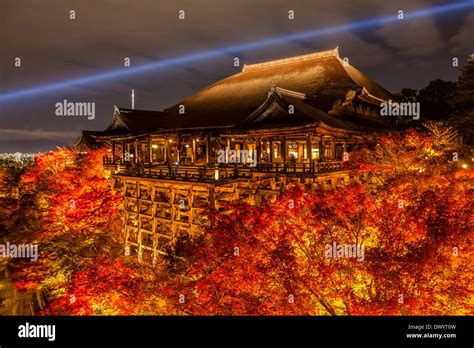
x,y
135,152
245,147
322,148
113,151
333,148
167,151
301,155
283,149
150,150
194,150
271,150
212,201
258,148
179,150
208,150
309,150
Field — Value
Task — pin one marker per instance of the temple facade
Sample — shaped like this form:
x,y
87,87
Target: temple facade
x,y
248,137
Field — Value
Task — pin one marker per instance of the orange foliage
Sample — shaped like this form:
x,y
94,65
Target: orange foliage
x,y
108,287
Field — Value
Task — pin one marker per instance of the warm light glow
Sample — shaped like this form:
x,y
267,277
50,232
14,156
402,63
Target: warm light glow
x,y
293,153
154,146
464,165
216,174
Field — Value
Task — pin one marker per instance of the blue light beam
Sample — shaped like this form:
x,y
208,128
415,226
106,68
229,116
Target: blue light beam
x,y
193,57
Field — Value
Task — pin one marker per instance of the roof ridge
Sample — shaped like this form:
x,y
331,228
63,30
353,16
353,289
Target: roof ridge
x,y
334,52
123,110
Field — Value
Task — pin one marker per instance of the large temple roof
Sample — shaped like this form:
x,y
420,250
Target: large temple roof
x,y
323,76
315,84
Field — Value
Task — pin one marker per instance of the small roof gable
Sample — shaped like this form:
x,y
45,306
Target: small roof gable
x,y
275,112
87,140
125,121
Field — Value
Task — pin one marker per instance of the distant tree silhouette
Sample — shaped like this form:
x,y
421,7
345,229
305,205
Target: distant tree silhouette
x,y
435,99
409,95
463,102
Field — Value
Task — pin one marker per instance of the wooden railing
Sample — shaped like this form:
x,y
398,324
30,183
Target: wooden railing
x,y
302,168
182,172
219,172
112,161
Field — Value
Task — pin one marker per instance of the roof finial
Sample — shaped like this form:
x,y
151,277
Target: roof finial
x,y
273,89
133,99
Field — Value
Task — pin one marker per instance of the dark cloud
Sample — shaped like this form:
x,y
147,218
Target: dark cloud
x,y
55,48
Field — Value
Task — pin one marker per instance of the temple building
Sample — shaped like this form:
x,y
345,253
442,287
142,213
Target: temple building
x,y
250,136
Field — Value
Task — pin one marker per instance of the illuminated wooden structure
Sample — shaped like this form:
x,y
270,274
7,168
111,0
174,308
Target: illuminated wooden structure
x,y
296,120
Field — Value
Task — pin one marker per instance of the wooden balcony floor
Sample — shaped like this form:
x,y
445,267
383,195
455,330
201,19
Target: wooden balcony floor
x,y
221,173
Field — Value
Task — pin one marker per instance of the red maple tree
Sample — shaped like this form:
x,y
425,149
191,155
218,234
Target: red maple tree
x,y
414,226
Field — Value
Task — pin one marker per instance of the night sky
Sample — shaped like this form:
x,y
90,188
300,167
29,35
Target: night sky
x,y
54,48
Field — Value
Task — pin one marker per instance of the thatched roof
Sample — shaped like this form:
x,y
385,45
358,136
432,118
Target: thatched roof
x,y
319,82
322,76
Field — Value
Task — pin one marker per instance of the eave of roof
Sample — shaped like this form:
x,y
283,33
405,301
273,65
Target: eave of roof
x,y
316,83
